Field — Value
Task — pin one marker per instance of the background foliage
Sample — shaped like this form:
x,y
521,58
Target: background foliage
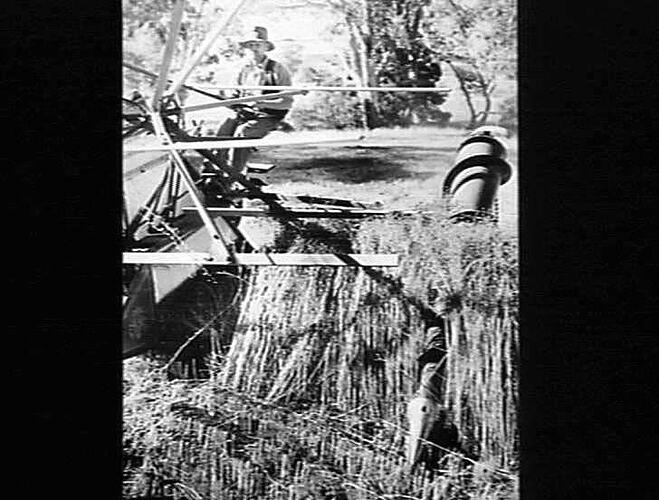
x,y
374,43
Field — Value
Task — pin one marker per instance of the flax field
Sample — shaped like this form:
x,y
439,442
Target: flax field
x,y
305,398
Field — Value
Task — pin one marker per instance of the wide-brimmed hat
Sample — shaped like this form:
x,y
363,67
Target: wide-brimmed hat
x,y
260,35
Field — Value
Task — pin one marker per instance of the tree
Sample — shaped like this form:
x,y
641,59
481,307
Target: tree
x,y
386,49
146,29
400,57
477,39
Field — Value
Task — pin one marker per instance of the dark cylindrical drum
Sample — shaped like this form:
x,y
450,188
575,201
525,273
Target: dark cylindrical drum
x,y
472,184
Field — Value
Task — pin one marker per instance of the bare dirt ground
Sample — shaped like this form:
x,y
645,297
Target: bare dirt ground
x,y
399,169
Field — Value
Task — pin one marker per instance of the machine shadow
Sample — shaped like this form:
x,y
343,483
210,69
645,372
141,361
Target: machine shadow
x,y
357,169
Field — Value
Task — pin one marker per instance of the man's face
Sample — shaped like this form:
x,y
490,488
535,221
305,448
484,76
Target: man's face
x,y
257,50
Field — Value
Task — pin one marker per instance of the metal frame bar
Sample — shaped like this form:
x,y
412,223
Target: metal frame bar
x,y
174,28
219,243
240,143
329,88
210,39
263,259
294,212
241,100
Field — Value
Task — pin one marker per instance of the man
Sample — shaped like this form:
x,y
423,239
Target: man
x,y
258,120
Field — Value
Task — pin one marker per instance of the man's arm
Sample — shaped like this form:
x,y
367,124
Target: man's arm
x,y
282,77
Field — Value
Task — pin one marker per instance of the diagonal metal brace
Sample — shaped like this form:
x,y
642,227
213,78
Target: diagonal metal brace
x,y
222,247
174,28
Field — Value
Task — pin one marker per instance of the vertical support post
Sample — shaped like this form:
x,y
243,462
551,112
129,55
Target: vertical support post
x,y
174,28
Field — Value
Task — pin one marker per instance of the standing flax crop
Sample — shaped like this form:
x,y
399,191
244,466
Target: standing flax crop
x,y
309,399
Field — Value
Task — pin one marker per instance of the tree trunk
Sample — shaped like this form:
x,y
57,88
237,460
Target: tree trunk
x,y
465,91
360,67
372,100
486,89
486,111
370,103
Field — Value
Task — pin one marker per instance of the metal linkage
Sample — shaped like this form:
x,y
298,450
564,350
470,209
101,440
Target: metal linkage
x,y
230,176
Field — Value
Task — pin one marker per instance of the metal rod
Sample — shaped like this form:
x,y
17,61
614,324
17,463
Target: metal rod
x,y
263,259
164,193
299,212
175,187
203,49
216,237
242,143
240,100
174,28
322,88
